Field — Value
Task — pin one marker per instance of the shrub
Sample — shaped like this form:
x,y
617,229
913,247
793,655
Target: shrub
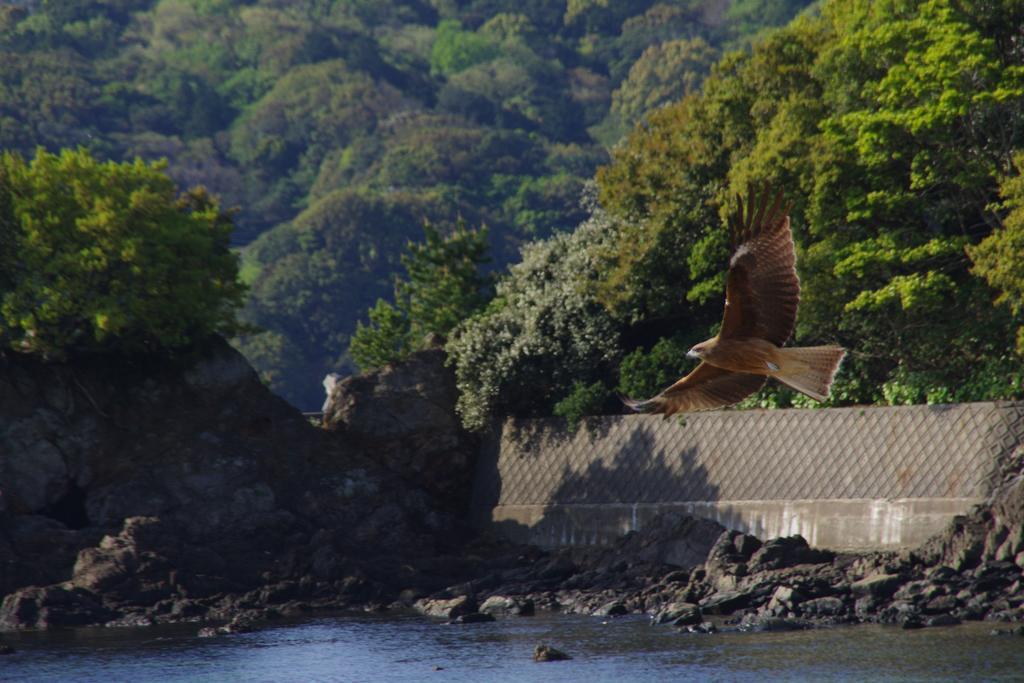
x,y
543,332
584,399
103,255
443,286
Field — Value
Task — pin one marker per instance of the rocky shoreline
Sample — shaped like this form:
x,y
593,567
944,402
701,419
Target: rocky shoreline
x,y
138,493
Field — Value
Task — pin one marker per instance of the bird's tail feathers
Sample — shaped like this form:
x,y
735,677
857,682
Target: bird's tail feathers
x,y
810,369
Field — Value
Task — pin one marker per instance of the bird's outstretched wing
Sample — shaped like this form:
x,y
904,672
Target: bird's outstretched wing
x,y
706,388
763,290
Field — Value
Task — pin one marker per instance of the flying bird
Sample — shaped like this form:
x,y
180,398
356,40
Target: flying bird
x,y
761,298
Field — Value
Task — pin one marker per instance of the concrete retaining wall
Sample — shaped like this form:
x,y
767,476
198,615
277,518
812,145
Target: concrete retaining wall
x,y
844,478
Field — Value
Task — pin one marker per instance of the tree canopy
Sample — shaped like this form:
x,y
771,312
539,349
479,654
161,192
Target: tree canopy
x,y
494,111
443,286
893,127
104,255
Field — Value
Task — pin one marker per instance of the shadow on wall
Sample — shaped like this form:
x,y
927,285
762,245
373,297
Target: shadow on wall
x,y
638,472
595,501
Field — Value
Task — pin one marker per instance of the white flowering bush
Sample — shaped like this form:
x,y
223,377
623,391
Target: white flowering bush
x,y
543,332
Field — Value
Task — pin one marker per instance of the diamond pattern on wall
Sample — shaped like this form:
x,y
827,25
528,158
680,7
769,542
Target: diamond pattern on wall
x,y
948,451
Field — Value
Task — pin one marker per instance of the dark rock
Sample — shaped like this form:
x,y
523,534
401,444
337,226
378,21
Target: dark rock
x,y
911,621
787,552
546,653
1016,631
614,608
500,605
446,608
753,622
557,569
942,604
727,602
671,538
959,547
916,590
130,621
474,618
51,606
785,599
6,649
746,545
703,627
218,481
876,585
678,576
823,607
678,614
942,574
866,606
943,620
403,417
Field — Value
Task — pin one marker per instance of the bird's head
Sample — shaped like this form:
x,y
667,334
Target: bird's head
x,y
697,351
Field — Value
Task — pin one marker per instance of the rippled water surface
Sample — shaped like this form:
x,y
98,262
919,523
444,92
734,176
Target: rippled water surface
x,y
414,649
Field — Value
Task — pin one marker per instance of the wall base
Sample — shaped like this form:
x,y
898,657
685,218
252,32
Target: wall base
x,y
843,525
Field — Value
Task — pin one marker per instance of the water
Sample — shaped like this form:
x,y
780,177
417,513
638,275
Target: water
x,y
411,649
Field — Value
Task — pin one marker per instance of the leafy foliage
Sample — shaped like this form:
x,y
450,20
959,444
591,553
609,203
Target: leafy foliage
x,y
495,111
999,258
542,332
100,256
443,286
583,400
645,373
456,50
892,127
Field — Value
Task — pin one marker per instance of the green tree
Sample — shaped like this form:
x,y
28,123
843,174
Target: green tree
x,y
455,50
108,256
890,125
999,258
663,73
315,276
386,339
543,332
443,286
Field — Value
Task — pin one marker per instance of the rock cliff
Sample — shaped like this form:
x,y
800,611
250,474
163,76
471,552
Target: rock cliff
x,y
140,488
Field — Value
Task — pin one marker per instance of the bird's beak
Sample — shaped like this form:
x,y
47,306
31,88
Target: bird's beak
x,y
692,354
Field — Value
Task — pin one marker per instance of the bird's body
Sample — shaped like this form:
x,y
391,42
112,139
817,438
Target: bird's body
x,y
746,354
762,295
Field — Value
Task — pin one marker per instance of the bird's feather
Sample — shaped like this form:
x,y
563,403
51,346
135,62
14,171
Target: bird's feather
x,y
762,289
706,388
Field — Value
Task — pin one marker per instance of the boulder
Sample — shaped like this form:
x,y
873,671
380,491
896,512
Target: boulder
x,y
500,605
823,607
672,538
142,481
943,620
678,614
787,552
472,618
755,622
785,599
727,602
403,416
446,608
877,586
546,653
49,607
612,608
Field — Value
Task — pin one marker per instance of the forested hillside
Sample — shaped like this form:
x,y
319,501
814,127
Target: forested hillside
x,y
338,127
897,130
412,167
